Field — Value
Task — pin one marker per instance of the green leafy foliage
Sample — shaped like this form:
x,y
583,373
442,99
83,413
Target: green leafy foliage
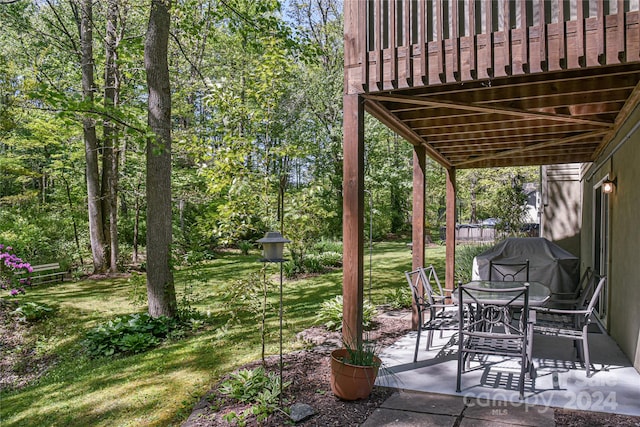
x,y
129,334
254,386
330,314
33,312
325,245
245,246
366,354
399,298
464,260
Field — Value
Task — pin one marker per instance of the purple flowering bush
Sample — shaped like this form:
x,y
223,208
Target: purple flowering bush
x,y
10,268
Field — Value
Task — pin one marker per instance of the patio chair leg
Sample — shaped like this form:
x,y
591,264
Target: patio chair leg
x,y
523,369
415,354
460,362
429,339
585,353
579,351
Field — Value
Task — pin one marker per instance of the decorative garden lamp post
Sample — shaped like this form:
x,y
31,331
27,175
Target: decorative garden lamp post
x,y
272,249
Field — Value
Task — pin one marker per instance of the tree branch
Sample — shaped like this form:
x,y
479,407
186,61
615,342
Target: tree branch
x,y
90,111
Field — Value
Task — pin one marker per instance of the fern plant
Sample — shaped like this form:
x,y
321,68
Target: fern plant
x,y
254,386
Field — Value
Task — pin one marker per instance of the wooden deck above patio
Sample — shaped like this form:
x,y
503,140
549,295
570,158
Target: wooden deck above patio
x,y
484,84
477,84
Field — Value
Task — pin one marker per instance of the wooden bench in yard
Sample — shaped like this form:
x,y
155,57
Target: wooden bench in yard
x,y
45,273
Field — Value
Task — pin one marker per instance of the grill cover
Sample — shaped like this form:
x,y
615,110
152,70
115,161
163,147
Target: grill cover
x,y
548,262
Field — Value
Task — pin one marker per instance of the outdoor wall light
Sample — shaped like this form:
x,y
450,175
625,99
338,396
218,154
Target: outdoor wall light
x,y
609,185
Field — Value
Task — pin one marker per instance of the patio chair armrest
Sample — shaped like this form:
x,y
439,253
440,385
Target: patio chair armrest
x,y
569,294
568,298
441,305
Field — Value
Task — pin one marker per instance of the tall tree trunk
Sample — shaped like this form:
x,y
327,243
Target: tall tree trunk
x,y
96,231
109,156
160,287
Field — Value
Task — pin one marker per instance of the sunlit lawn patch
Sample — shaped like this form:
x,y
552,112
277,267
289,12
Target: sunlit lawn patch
x,y
159,387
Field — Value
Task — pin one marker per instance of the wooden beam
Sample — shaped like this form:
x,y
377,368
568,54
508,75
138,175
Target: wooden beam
x,y
418,216
450,238
623,115
509,124
437,141
534,147
484,109
480,147
355,54
533,160
392,122
353,220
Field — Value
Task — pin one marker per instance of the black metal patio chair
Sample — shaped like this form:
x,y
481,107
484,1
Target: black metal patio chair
x,y
433,313
572,324
509,271
491,337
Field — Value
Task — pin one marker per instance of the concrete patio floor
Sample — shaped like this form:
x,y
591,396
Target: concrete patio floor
x,y
561,382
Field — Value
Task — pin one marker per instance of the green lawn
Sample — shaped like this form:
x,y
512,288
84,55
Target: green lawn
x,y
161,386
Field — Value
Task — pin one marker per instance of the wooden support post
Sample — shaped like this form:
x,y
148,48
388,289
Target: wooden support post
x,y
418,220
450,256
353,220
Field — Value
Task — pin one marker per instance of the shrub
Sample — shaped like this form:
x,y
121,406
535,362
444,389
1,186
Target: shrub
x,y
330,314
464,260
399,298
32,312
14,272
290,269
331,259
132,333
312,264
245,246
254,386
327,246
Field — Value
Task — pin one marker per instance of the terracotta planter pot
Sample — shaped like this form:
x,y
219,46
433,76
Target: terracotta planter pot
x,y
351,382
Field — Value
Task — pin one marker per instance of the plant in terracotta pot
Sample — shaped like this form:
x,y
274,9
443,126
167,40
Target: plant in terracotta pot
x,y
354,371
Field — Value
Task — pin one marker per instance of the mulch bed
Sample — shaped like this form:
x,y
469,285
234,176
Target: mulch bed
x,y
309,372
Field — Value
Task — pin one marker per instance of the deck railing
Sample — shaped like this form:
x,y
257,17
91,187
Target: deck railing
x,y
406,43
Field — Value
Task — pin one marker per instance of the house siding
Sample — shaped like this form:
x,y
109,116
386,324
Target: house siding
x,y
620,161
561,217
